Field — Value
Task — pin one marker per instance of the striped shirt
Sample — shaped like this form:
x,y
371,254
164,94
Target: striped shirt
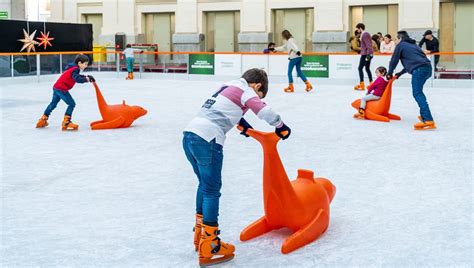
x,y
225,108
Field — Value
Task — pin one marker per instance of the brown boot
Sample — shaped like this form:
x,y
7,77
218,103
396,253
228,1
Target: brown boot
x,y
309,87
211,249
290,88
43,122
360,86
68,125
197,231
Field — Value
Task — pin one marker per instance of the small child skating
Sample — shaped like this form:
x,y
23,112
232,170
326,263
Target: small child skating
x,y
61,92
130,60
374,92
203,142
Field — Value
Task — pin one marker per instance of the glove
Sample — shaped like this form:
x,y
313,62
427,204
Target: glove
x,y
141,52
368,57
397,75
389,76
283,132
91,78
298,53
245,125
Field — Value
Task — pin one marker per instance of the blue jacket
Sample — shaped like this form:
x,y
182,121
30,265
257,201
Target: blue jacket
x,y
411,56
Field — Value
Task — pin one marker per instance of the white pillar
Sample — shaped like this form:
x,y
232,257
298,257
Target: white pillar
x,y
252,16
329,15
186,16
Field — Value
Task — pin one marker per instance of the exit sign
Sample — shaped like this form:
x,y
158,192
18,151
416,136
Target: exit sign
x,y
3,14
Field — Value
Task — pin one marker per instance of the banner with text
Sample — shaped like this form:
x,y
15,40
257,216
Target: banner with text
x,y
315,66
201,64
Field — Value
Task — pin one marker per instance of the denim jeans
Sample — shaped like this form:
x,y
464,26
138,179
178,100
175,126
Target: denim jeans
x,y
206,159
418,79
295,62
363,62
61,95
130,62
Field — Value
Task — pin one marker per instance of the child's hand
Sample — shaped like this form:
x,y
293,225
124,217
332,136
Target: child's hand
x,y
283,132
245,125
91,78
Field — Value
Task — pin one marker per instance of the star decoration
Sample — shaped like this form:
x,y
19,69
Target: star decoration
x,y
45,40
28,41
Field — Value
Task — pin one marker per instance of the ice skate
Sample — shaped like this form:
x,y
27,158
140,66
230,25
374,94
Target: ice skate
x,y
43,122
290,88
425,125
360,114
68,125
211,249
360,86
309,87
197,231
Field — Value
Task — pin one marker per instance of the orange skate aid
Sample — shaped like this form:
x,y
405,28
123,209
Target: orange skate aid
x,y
301,205
379,109
115,116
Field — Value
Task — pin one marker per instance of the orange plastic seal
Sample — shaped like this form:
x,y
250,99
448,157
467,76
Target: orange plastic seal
x,y
301,205
379,110
115,116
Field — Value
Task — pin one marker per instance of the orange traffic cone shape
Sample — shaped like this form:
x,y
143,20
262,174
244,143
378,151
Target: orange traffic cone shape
x,y
197,231
115,116
301,205
379,109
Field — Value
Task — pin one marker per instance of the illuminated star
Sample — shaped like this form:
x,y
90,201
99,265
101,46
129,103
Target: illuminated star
x,y
45,40
29,41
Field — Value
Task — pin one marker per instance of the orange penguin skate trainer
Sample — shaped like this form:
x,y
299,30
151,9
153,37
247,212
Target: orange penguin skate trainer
x,y
301,205
379,109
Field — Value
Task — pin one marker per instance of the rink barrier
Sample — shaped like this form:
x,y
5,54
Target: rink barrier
x,y
337,65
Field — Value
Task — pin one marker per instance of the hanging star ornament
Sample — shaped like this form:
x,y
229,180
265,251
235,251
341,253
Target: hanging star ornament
x,y
45,40
29,41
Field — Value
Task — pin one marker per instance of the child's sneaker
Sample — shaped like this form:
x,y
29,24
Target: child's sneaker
x,y
68,125
43,122
290,88
424,125
309,87
360,114
211,249
360,86
197,231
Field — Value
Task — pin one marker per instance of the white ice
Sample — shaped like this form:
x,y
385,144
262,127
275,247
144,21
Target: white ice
x,y
123,198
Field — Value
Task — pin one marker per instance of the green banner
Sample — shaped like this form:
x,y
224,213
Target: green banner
x,y
315,66
201,64
3,14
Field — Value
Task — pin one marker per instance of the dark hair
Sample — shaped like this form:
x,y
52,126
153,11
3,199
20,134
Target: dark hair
x,y
271,44
81,58
360,26
388,36
379,33
375,37
128,45
286,34
402,35
256,75
382,70
356,33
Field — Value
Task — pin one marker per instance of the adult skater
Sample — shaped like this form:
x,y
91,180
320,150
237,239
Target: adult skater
x,y
432,45
366,55
294,57
416,63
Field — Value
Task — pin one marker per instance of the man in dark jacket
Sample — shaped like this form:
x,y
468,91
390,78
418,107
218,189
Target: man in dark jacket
x,y
432,45
416,63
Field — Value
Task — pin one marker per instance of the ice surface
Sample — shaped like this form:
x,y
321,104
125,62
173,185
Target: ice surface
x,y
125,197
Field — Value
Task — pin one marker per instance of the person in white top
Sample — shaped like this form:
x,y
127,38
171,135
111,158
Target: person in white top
x,y
294,56
130,60
387,46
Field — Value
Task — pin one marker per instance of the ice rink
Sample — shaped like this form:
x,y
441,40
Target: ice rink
x,y
124,198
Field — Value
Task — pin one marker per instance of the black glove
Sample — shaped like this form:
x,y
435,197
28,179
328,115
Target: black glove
x,y
389,76
369,57
91,78
298,53
397,75
283,132
245,125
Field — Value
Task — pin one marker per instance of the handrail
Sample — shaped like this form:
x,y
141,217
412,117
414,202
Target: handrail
x,y
210,53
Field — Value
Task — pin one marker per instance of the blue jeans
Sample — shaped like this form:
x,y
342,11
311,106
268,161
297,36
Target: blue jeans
x,y
130,62
61,95
418,79
295,62
206,159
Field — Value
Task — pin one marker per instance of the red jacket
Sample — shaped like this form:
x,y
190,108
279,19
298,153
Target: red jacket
x,y
378,86
69,78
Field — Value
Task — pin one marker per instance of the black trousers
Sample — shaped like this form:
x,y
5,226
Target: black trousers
x,y
364,63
